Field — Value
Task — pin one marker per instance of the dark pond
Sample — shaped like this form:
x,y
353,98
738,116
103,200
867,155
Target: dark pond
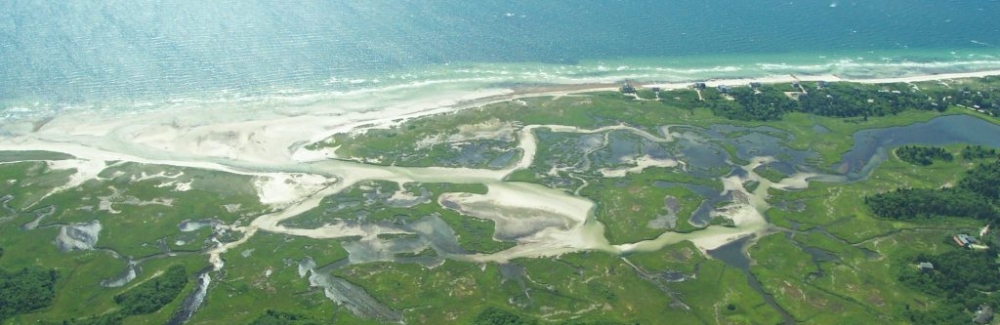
x,y
871,146
702,215
759,141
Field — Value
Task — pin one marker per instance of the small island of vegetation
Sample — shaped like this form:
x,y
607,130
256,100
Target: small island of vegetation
x,y
923,156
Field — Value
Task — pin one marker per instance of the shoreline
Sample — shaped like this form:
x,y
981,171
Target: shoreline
x,y
825,77
279,135
557,90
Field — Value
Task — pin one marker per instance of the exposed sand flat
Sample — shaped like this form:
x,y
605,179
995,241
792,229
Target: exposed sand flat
x,y
747,220
84,170
78,236
552,242
795,182
143,176
534,216
641,163
177,186
255,135
528,196
113,151
284,188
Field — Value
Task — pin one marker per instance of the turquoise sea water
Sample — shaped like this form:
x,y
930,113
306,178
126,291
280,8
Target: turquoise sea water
x,y
106,53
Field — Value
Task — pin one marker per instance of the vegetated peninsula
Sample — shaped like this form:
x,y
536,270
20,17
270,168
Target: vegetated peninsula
x,y
803,199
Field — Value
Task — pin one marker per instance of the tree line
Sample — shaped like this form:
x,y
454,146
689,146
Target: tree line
x,y
975,196
964,278
978,152
987,101
751,104
843,100
25,291
923,156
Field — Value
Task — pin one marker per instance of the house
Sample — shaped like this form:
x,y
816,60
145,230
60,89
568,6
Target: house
x,y
964,240
925,266
656,89
984,315
821,84
627,88
723,89
700,85
754,84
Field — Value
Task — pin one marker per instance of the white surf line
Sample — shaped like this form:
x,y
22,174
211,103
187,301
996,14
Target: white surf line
x,y
932,77
777,79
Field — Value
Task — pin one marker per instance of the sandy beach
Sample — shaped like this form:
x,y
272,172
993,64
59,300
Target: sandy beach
x,y
277,135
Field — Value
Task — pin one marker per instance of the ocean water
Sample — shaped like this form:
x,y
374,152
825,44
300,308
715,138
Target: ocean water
x,y
117,54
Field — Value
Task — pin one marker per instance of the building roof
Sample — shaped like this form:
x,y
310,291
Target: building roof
x,y
963,240
984,315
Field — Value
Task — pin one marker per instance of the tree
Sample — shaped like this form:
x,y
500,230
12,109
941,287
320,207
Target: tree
x,y
25,291
152,295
